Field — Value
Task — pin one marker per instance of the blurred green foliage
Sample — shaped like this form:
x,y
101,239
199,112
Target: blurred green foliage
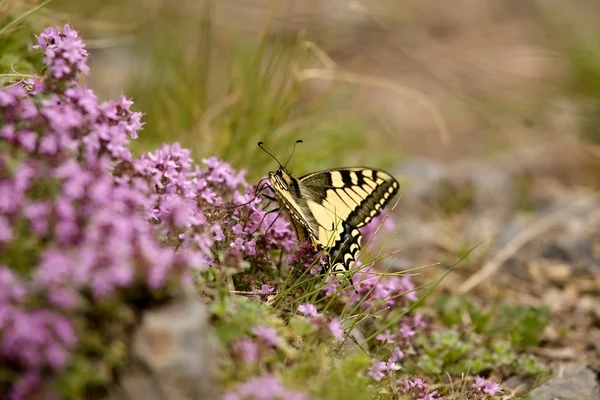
x,y
220,91
578,41
482,339
302,360
454,351
19,22
521,325
226,106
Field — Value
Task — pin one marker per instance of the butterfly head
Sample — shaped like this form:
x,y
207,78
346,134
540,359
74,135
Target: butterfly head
x,y
281,179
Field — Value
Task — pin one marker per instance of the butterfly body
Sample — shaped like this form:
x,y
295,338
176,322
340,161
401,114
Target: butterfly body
x,y
328,207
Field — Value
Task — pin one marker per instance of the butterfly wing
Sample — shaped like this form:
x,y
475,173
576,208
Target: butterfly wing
x,y
340,201
355,195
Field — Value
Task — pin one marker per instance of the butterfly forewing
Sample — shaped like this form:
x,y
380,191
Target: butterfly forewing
x,y
356,195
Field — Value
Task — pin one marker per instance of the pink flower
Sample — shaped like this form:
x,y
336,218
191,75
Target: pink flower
x,y
101,221
407,331
265,387
487,387
247,349
391,366
267,335
386,336
397,354
377,370
309,310
336,329
264,289
218,232
418,389
65,53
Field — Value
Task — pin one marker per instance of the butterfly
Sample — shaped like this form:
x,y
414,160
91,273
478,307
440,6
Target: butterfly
x,y
328,207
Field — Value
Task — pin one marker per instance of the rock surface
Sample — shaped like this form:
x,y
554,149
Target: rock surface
x,y
174,355
570,382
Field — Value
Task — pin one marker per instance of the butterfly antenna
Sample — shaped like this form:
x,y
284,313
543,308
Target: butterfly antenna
x,y
260,144
293,150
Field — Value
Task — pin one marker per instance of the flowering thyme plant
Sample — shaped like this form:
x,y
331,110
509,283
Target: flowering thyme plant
x,y
84,223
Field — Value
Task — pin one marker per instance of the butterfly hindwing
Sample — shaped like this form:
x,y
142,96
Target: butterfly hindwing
x,y
344,256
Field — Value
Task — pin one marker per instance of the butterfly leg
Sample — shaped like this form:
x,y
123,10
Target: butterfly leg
x,y
263,220
259,188
276,218
261,185
266,196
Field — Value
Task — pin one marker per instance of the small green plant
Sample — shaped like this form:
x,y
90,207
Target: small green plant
x,y
521,325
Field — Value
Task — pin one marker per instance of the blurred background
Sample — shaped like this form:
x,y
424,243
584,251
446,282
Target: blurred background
x,y
361,82
487,111
368,82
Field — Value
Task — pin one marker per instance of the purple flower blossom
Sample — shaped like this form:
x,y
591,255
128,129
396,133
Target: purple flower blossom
x,y
418,389
336,329
378,291
267,335
380,369
186,194
65,53
406,331
386,336
331,287
265,387
247,350
377,370
306,257
397,354
484,386
264,289
262,293
309,310
321,322
391,366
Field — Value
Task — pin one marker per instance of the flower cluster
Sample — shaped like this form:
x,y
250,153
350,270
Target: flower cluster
x,y
69,233
65,55
419,390
394,345
57,126
483,389
332,326
211,209
265,387
380,369
82,220
250,350
307,258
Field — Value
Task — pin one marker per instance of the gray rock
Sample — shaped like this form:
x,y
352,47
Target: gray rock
x,y
570,382
493,190
174,354
575,250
